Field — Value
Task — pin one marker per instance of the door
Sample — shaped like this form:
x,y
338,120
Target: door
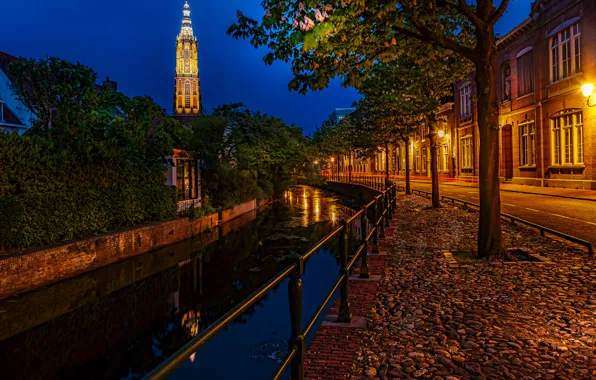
x,y
508,151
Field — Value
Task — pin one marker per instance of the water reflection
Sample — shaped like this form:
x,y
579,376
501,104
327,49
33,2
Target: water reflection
x,y
122,320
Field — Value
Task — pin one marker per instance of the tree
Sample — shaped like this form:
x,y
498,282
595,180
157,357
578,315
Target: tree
x,y
247,155
405,87
324,39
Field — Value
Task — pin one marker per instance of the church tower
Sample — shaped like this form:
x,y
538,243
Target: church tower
x,y
187,96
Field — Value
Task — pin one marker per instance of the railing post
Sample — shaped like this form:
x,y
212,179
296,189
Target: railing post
x,y
375,243
345,315
386,206
364,260
297,339
382,223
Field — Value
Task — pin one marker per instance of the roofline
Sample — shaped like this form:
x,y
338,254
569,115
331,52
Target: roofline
x,y
513,31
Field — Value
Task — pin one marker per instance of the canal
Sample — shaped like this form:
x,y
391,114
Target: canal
x,y
123,320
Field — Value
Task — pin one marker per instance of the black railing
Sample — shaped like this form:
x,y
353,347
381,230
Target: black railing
x,y
512,219
383,208
375,181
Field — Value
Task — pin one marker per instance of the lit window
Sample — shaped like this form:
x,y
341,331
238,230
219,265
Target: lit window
x,y
187,179
568,139
466,152
525,74
466,100
565,53
527,144
446,158
187,94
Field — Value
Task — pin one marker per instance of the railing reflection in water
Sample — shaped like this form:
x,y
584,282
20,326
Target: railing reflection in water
x,y
382,208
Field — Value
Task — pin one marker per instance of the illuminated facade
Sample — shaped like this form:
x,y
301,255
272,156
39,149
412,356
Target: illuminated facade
x,y
187,96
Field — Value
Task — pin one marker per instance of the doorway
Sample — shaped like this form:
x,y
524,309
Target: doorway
x,y
507,137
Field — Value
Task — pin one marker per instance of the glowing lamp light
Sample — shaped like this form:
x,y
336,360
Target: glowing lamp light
x,y
587,89
332,159
441,134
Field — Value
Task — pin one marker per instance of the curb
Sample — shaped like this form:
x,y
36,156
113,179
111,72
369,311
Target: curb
x,y
514,191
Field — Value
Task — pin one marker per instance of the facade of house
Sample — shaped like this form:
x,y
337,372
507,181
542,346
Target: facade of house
x,y
14,116
547,130
184,172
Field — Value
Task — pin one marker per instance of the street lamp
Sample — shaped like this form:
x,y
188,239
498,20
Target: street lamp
x,y
587,90
441,134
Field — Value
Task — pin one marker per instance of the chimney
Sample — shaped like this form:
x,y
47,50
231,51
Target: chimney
x,y
110,84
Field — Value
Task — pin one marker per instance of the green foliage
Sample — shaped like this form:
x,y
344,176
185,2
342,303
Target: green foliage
x,y
40,218
247,155
197,213
95,159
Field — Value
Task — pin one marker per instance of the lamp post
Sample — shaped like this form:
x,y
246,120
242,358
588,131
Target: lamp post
x,y
587,90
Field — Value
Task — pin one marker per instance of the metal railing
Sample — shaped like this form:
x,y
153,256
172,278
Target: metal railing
x,y
374,181
512,219
382,207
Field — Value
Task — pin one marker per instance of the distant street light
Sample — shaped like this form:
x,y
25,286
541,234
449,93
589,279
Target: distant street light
x,y
587,90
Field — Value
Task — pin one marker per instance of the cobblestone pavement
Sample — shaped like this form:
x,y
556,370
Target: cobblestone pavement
x,y
497,321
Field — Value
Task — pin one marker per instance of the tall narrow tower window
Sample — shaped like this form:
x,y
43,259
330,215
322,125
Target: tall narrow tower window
x,y
187,94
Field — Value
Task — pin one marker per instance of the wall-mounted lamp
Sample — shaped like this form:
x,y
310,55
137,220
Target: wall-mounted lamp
x,y
587,90
441,134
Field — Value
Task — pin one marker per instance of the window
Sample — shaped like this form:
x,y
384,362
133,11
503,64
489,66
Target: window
x,y
187,94
187,179
527,144
445,158
466,152
565,53
417,160
423,132
568,138
424,160
525,77
394,155
439,164
466,101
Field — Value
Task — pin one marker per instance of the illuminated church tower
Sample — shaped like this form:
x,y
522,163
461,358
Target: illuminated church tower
x,y
187,98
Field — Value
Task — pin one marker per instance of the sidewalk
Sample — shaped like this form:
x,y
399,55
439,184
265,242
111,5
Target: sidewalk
x,y
589,195
433,319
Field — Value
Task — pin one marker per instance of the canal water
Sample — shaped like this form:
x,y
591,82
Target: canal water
x,y
123,320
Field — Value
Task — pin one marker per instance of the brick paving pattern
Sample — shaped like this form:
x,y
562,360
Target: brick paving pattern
x,y
332,352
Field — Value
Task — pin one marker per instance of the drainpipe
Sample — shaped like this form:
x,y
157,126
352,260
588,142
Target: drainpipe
x,y
538,116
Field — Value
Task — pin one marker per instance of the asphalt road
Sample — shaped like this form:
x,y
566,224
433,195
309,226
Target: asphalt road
x,y
572,216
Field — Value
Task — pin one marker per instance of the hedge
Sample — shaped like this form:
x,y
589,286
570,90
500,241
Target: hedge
x,y
40,218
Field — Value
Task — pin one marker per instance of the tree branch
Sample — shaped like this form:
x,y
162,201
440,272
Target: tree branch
x,y
499,12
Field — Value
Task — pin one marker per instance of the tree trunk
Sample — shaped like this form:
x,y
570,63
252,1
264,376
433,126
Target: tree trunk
x,y
408,185
489,231
431,118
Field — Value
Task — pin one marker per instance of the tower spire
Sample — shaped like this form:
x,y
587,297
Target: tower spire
x,y
186,31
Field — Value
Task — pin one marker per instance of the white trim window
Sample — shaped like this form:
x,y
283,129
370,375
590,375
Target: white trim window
x,y
567,134
466,152
445,158
527,140
424,159
465,96
565,53
417,160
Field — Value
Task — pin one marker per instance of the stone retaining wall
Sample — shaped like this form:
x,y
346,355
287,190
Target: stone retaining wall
x,y
30,269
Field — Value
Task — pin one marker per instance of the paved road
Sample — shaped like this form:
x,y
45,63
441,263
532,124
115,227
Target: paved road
x,y
573,217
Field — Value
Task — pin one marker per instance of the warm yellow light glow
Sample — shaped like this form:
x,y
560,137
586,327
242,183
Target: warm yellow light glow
x,y
447,136
332,159
192,357
587,89
316,162
441,134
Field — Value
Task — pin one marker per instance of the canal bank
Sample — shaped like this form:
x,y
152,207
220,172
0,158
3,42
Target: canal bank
x,y
121,320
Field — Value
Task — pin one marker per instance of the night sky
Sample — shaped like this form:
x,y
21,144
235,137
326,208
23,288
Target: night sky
x,y
134,43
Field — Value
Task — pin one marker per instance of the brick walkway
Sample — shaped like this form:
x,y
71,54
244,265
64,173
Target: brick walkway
x,y
332,352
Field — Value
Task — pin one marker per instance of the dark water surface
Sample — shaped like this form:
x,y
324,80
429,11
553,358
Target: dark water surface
x,y
121,321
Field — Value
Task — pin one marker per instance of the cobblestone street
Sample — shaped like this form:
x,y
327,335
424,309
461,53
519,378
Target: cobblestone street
x,y
478,320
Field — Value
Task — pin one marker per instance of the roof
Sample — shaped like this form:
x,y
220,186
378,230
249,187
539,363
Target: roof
x,y
5,59
9,117
515,32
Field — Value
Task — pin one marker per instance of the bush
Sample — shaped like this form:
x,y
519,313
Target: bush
x,y
33,219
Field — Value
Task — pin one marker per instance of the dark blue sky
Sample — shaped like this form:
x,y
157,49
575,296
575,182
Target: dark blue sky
x,y
134,41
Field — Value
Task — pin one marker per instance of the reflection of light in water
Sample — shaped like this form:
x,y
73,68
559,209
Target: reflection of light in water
x,y
190,321
333,217
192,357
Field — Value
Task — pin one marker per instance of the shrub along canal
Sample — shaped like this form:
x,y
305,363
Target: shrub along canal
x,y
121,321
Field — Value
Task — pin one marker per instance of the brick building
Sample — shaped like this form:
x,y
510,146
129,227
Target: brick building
x,y
547,132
